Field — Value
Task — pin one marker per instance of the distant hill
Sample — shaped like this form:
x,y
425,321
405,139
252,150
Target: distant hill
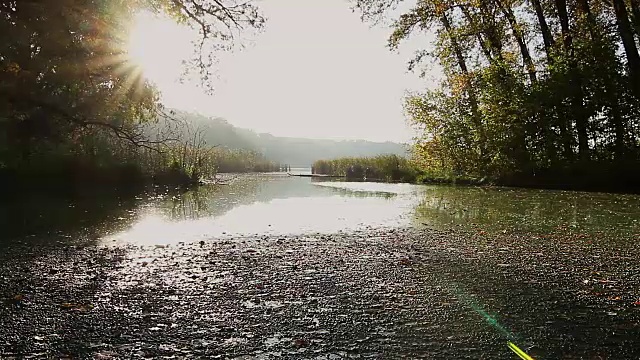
x,y
297,152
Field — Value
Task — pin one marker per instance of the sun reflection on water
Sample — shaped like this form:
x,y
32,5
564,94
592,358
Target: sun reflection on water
x,y
328,208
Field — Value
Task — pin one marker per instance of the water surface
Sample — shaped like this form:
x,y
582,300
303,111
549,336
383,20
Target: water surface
x,y
272,204
507,210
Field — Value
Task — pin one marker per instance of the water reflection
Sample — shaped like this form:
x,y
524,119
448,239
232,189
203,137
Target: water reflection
x,y
41,220
537,211
270,204
214,201
278,204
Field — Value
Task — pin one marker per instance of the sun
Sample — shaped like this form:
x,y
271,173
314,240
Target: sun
x,y
158,47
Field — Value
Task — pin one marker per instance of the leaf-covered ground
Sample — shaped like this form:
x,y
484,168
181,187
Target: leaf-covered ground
x,y
370,294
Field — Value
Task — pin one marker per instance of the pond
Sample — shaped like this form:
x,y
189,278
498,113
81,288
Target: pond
x,y
270,205
278,204
275,204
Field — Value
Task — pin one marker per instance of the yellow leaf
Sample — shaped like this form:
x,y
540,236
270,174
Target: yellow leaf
x,y
13,68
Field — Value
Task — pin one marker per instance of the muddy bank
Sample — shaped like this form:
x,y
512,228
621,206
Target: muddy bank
x,y
370,294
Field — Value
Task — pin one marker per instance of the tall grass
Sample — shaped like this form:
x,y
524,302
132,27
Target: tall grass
x,y
378,168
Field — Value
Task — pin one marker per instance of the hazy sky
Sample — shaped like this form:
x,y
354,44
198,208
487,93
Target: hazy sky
x,y
315,71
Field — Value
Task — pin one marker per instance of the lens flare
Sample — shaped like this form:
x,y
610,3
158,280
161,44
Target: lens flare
x,y
467,300
518,351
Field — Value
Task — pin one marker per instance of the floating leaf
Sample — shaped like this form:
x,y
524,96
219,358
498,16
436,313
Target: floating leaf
x,y
82,308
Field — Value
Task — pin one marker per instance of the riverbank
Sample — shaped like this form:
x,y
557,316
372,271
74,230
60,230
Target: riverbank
x,y
371,293
593,176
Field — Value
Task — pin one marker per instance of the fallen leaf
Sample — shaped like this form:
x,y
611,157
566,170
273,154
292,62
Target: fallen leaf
x,y
66,305
301,342
81,308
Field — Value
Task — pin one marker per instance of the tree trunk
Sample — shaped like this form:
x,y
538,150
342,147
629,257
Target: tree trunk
x,y
471,20
617,121
547,38
575,82
620,132
549,43
517,33
629,43
567,39
583,7
457,49
635,11
473,101
490,31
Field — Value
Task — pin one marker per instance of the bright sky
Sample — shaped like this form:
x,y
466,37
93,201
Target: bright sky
x,y
316,71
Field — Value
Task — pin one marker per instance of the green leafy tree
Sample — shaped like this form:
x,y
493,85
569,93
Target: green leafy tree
x,y
533,91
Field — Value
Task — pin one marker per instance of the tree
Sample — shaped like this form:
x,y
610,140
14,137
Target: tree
x,y
523,101
66,79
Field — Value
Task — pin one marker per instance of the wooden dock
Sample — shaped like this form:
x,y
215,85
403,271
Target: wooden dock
x,y
315,175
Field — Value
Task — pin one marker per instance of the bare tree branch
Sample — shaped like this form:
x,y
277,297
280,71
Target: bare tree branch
x,y
218,22
136,138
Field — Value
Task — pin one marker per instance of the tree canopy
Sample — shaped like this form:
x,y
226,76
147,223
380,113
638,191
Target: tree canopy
x,y
68,88
536,91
